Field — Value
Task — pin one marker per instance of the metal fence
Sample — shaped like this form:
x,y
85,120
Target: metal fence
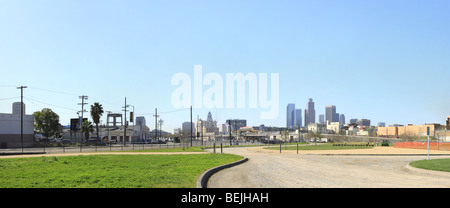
x,y
74,148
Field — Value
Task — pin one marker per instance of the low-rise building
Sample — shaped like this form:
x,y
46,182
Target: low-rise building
x,y
317,128
333,127
10,128
409,130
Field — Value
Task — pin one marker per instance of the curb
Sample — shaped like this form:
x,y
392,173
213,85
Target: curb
x,y
426,171
202,180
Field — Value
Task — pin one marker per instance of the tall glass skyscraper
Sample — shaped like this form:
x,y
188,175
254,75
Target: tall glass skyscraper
x,y
290,115
298,118
310,113
330,114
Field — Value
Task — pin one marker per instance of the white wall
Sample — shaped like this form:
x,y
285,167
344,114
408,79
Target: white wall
x,y
10,124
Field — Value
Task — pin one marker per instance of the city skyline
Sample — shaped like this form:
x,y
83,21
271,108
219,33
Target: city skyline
x,y
385,61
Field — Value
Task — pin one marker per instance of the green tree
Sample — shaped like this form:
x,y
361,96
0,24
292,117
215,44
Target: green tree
x,y
96,113
86,128
46,122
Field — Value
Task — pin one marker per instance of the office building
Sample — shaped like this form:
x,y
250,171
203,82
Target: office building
x,y
330,114
342,119
290,116
310,112
321,119
363,122
140,121
298,118
186,128
236,124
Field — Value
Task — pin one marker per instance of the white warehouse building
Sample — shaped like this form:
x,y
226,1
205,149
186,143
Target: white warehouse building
x,y
10,128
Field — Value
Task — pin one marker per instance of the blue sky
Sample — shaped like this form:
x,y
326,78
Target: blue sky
x,y
382,60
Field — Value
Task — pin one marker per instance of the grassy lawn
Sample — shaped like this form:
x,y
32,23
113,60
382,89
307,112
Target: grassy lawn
x,y
109,171
176,149
319,146
436,164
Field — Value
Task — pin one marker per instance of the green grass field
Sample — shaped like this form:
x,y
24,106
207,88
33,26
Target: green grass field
x,y
109,171
435,164
319,146
176,149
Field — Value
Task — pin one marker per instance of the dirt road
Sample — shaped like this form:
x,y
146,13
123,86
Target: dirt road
x,y
370,168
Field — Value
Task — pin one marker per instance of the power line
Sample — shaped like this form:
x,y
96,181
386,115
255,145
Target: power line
x,y
54,91
31,99
174,111
9,98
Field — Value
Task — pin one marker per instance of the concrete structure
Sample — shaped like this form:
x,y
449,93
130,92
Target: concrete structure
x,y
10,125
114,121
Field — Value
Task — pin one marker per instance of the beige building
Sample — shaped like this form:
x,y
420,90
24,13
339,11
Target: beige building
x,y
208,129
333,127
409,130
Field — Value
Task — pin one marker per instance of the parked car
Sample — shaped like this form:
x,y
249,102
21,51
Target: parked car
x,y
66,141
95,142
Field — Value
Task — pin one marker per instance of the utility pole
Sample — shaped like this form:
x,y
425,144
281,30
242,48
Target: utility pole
x,y
428,146
21,114
125,128
229,126
191,125
156,123
197,133
201,132
82,97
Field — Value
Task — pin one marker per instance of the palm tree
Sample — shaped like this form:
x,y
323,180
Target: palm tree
x,y
86,128
96,113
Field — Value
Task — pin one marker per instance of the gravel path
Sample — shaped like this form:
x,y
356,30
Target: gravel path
x,y
370,168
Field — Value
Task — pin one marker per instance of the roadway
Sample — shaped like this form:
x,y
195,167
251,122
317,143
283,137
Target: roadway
x,y
380,168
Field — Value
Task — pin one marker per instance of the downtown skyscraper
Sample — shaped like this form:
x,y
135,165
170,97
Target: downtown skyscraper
x,y
290,115
330,114
293,116
310,113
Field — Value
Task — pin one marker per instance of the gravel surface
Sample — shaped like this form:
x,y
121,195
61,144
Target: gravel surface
x,y
370,168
